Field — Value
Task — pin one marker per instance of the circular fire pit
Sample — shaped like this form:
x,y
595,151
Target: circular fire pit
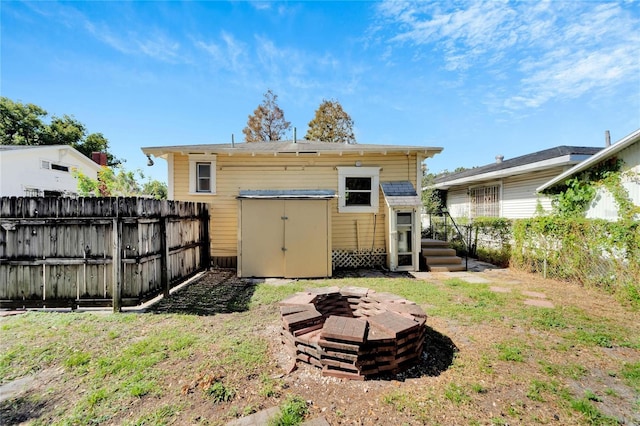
x,y
353,332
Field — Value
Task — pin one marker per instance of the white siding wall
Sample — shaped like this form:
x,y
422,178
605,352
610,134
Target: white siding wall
x,y
519,197
604,205
21,169
458,203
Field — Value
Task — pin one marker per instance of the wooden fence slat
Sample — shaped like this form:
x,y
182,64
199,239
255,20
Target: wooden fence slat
x,y
63,251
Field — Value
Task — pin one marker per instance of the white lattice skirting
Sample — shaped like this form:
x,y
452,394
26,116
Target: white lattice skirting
x,y
346,259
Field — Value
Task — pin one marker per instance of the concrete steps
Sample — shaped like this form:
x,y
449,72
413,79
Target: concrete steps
x,y
440,257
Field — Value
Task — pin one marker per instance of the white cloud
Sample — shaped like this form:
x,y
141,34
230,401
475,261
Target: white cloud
x,y
150,42
551,50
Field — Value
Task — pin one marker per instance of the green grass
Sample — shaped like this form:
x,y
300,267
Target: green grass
x,y
118,362
219,392
159,417
572,370
591,414
292,412
456,394
631,374
511,351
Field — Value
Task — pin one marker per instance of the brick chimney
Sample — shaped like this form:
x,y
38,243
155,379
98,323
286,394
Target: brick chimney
x,y
99,157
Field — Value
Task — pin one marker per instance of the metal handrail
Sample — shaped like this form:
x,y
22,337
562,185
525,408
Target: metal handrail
x,y
466,241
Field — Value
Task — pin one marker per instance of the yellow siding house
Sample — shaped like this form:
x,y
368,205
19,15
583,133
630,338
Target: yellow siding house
x,y
302,209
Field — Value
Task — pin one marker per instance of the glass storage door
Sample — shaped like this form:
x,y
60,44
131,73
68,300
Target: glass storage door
x,y
404,228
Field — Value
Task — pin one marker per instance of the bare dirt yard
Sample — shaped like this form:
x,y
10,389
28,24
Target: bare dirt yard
x,y
503,348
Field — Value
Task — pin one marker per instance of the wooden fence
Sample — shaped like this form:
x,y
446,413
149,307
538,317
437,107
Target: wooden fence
x,y
97,251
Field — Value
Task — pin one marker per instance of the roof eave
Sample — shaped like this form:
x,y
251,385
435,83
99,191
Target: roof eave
x,y
565,160
360,150
594,159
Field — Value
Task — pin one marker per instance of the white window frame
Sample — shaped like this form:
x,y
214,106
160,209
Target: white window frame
x,y
348,172
194,160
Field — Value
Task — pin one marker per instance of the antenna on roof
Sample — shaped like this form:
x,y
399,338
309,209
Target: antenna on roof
x,y
295,138
607,138
233,142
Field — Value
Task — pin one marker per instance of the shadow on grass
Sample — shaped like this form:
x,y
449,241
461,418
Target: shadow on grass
x,y
219,292
21,409
436,358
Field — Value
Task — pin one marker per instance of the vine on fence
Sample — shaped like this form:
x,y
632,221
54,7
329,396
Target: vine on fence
x,y
566,245
593,252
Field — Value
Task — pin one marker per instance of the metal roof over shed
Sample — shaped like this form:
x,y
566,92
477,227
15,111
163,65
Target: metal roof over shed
x,y
288,193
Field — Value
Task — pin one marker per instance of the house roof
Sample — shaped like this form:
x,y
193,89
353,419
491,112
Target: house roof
x,y
8,149
536,161
604,154
300,147
400,193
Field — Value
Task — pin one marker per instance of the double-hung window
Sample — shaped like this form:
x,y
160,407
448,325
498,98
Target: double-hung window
x,y
358,189
202,174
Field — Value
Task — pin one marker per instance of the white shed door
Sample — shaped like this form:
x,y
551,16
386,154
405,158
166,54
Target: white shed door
x,y
284,238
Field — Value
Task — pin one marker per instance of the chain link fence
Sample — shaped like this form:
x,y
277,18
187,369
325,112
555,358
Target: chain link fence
x,y
594,253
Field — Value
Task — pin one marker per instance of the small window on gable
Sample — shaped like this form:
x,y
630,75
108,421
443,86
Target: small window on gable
x,y
202,174
59,167
358,189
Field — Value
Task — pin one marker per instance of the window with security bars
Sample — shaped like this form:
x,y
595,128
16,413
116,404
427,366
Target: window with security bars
x,y
485,201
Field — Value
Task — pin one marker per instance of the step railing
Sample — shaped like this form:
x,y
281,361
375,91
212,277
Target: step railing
x,y
443,227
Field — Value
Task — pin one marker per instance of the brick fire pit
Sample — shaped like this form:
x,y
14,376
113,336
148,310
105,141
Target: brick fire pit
x,y
353,332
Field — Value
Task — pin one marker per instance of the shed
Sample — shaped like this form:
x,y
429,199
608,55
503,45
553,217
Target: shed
x,y
284,233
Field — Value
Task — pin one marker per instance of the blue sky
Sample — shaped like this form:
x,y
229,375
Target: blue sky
x,y
476,78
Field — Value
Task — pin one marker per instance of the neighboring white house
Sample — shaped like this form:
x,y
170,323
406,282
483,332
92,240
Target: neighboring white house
x,y
604,206
32,171
507,188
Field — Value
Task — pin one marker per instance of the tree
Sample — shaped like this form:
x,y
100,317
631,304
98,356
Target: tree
x,y
331,124
431,197
64,131
118,182
156,189
21,124
96,142
267,123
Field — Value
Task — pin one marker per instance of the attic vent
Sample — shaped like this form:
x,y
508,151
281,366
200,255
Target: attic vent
x,y
45,164
499,159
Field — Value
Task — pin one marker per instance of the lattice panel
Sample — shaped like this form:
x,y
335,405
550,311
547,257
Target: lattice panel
x,y
345,259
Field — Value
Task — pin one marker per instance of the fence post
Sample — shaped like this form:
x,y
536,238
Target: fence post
x,y
117,264
205,246
164,256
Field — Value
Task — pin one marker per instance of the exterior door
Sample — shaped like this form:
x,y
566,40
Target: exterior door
x,y
262,231
404,232
284,238
306,239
